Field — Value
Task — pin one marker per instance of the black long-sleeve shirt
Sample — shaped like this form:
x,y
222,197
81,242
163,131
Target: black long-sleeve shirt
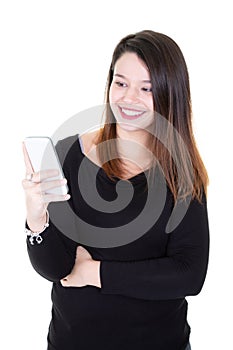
x,y
141,304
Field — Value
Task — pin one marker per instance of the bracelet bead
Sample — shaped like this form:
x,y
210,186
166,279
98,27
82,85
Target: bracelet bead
x,y
36,235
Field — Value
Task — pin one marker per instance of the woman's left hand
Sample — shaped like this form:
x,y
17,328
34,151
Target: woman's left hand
x,y
86,271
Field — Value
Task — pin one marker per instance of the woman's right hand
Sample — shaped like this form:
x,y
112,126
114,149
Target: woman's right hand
x,y
37,199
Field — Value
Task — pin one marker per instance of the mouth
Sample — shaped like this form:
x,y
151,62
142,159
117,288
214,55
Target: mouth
x,y
130,113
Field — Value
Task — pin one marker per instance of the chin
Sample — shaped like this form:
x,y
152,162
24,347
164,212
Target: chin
x,y
128,127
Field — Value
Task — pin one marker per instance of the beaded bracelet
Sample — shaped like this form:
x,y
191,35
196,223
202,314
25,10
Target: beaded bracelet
x,y
36,235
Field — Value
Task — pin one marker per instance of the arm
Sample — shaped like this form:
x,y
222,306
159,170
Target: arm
x,y
180,273
85,271
54,257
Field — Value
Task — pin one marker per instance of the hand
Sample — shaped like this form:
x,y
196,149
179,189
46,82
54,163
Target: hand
x,y
85,271
35,193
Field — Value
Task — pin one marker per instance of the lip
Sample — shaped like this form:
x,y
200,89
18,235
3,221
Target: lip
x,y
131,117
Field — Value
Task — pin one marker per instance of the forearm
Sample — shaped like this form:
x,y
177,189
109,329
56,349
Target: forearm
x,y
37,225
54,257
153,279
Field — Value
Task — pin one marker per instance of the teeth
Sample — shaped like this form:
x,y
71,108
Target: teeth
x,y
130,113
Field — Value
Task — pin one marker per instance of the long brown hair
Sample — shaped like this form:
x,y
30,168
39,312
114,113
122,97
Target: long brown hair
x,y
171,96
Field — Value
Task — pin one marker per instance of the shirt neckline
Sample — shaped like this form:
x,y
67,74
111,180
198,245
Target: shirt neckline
x,y
101,170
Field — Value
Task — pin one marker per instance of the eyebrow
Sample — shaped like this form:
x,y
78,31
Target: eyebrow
x,y
122,76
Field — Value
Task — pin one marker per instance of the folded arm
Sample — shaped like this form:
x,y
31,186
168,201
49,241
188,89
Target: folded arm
x,y
180,273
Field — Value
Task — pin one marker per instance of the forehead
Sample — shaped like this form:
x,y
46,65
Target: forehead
x,y
132,67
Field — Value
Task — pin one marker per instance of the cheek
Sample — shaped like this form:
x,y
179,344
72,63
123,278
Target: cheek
x,y
152,107
150,103
114,94
111,94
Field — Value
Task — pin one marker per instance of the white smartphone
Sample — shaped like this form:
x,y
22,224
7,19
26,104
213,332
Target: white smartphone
x,y
43,156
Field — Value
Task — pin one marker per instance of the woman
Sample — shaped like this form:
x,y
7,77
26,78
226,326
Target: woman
x,y
127,294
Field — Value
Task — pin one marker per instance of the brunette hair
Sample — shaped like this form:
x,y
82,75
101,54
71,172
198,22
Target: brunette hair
x,y
172,100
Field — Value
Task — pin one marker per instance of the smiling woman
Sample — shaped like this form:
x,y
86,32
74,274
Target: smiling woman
x,y
127,295
148,73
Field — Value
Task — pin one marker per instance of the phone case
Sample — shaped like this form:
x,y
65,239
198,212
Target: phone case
x,y
43,156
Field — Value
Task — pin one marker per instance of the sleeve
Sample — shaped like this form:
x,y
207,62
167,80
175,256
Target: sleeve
x,y
54,257
178,274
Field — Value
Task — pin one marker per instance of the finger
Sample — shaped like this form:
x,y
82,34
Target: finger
x,y
47,198
43,175
27,184
41,188
29,168
48,185
65,281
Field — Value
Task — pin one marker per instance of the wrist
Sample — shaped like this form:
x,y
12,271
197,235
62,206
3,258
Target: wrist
x,y
35,235
37,225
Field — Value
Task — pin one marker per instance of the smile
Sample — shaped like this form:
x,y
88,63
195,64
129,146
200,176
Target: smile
x,y
130,113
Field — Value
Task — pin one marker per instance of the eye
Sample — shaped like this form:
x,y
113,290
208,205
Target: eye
x,y
120,84
147,89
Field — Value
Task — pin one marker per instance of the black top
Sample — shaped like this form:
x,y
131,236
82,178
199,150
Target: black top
x,y
141,303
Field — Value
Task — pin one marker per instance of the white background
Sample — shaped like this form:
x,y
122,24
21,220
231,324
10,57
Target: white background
x,y
55,57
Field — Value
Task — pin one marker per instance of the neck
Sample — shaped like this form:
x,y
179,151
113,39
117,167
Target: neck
x,y
137,135
133,145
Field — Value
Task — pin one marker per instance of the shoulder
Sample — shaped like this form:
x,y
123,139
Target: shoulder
x,y
63,146
89,140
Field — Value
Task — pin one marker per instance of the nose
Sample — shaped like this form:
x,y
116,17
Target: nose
x,y
130,95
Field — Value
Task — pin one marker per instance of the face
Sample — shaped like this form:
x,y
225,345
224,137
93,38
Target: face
x,y
130,93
